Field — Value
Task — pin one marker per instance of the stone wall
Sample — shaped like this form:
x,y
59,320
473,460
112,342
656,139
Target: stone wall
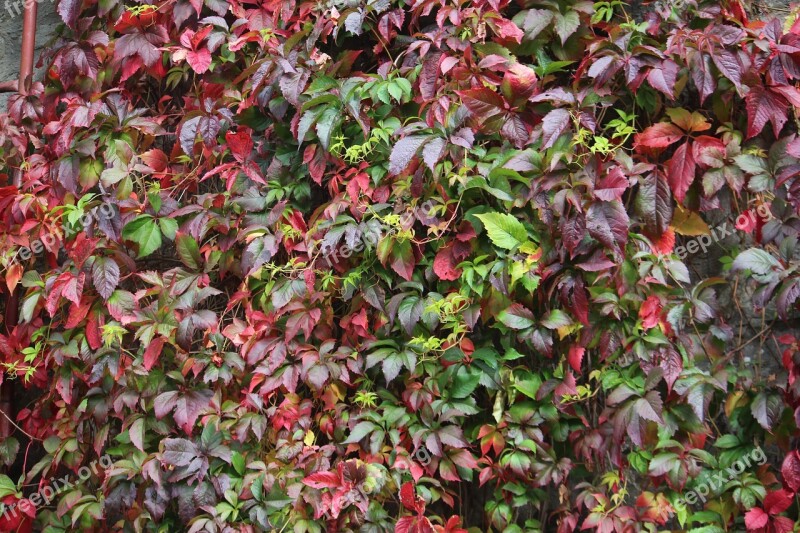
x,y
11,38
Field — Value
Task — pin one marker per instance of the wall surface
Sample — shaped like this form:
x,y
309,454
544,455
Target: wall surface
x,y
11,38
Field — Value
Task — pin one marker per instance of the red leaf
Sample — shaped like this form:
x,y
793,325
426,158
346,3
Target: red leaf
x,y
409,498
13,275
505,29
240,144
782,524
322,480
519,83
78,312
650,312
199,60
778,501
664,244
93,335
708,151
444,265
764,106
576,356
789,92
73,288
755,519
791,470
658,135
680,171
413,524
153,351
155,159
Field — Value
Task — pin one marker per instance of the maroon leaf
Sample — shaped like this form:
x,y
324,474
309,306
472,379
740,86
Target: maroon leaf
x,y
681,170
136,44
611,186
188,407
69,11
608,223
515,130
702,75
553,125
766,408
790,470
663,78
404,152
730,66
105,276
671,363
654,203
485,105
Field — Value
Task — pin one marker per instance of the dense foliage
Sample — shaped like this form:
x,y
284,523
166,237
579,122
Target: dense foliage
x,y
377,265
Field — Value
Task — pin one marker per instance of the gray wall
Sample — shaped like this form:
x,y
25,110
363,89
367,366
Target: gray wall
x,y
11,38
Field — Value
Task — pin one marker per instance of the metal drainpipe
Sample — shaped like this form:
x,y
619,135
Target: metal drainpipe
x,y
23,85
28,45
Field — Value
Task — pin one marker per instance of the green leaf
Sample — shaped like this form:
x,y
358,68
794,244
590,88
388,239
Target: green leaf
x,y
567,24
7,487
169,227
517,317
361,430
9,447
395,91
529,387
556,319
188,251
277,499
755,260
238,462
144,231
766,409
727,442
405,85
137,433
504,230
464,383
326,125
